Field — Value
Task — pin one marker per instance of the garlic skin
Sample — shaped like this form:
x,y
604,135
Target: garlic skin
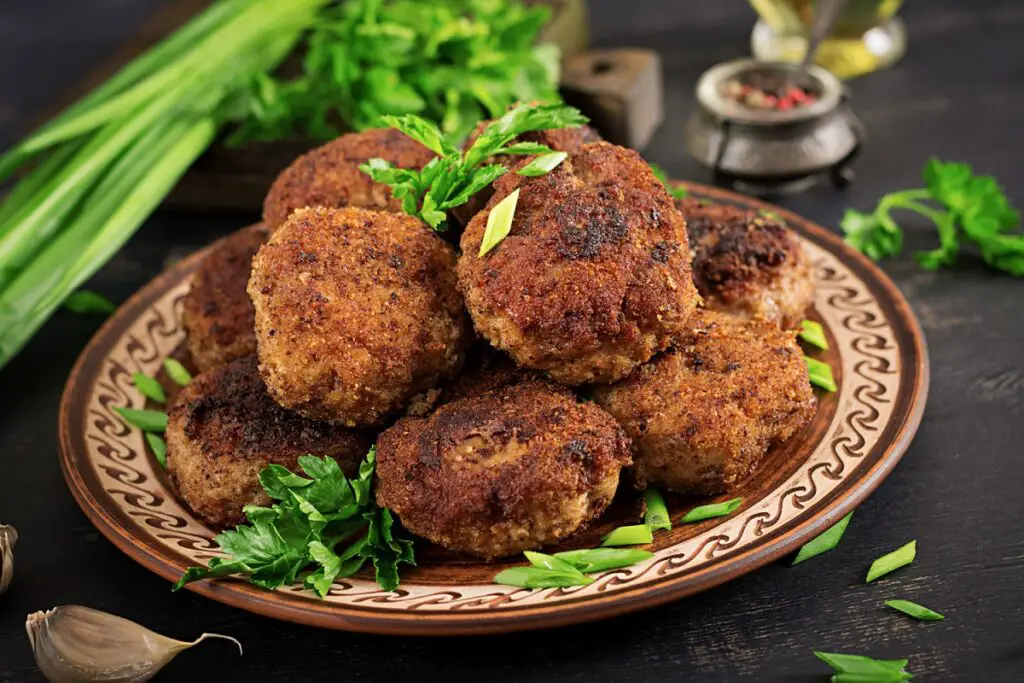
x,y
8,537
74,644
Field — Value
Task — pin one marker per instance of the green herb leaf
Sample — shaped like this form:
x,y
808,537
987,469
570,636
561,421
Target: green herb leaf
x,y
900,557
603,559
656,513
499,222
675,191
159,448
820,374
814,334
702,512
637,534
452,179
149,387
85,302
177,372
534,577
146,420
452,61
825,542
543,164
311,519
972,208
860,668
915,610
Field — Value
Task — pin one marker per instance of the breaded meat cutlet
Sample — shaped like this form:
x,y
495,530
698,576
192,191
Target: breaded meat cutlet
x,y
703,414
504,470
568,140
217,312
329,175
748,263
357,312
594,276
224,428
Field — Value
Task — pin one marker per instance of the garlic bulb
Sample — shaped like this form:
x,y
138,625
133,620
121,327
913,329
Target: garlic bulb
x,y
75,644
8,537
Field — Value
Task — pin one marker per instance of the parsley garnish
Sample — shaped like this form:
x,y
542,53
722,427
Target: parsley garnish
x,y
313,516
969,208
453,177
675,191
453,62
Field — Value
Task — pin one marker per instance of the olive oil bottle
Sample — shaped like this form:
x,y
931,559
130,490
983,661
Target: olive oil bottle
x,y
867,35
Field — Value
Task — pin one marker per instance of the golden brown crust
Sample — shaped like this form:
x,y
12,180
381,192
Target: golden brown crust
x,y
559,139
748,263
357,312
224,428
217,312
594,277
329,175
501,471
702,415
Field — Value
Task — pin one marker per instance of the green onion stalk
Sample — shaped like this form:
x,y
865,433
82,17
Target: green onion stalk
x,y
100,168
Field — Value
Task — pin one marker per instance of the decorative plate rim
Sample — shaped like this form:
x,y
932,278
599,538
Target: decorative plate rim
x,y
819,514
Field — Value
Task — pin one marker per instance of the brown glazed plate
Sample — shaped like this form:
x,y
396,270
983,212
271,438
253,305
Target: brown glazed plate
x,y
877,353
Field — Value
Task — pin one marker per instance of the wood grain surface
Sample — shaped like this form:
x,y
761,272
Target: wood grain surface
x,y
958,94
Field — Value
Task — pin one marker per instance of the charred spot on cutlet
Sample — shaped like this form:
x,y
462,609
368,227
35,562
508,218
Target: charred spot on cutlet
x,y
235,411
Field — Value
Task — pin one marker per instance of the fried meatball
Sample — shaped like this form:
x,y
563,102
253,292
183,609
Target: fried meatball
x,y
594,277
504,470
357,312
218,315
224,428
568,140
704,413
329,175
748,263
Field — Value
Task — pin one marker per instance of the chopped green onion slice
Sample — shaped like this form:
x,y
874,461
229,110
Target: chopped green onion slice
x,y
702,512
656,515
915,610
177,372
146,420
825,542
820,374
542,165
602,559
534,577
550,562
85,302
814,334
149,387
159,448
499,222
900,557
636,534
852,668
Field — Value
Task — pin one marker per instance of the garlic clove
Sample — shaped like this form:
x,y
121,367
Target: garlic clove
x,y
74,644
8,537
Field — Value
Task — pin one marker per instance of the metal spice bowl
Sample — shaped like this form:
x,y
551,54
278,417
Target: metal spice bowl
x,y
767,151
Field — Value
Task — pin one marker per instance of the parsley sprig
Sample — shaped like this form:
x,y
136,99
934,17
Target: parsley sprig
x,y
323,521
453,177
962,206
453,62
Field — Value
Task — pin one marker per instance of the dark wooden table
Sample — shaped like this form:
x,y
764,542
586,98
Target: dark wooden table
x,y
958,95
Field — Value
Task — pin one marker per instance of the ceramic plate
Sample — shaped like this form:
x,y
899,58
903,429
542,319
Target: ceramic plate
x,y
858,435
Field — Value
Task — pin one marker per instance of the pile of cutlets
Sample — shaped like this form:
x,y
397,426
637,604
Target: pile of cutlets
x,y
613,336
